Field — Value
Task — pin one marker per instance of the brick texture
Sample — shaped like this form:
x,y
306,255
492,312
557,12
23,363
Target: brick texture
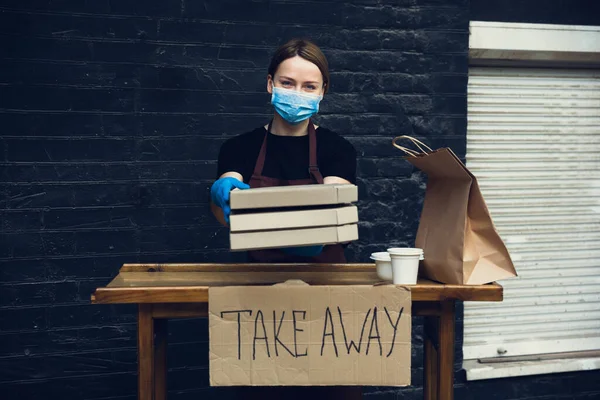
x,y
566,12
112,113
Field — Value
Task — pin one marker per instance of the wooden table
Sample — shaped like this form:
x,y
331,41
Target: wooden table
x,y
167,291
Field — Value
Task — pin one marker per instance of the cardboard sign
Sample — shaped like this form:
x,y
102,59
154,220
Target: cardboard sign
x,y
310,335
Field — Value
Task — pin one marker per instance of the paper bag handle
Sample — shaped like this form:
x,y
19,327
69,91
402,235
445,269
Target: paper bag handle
x,y
410,152
416,142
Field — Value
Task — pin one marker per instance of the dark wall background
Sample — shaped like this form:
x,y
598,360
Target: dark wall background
x,y
111,117
567,12
112,114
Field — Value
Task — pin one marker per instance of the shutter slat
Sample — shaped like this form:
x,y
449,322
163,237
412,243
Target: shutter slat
x,y
533,141
511,324
553,329
550,332
512,312
525,302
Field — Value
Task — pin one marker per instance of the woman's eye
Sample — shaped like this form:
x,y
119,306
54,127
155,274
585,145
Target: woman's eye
x,y
286,83
311,87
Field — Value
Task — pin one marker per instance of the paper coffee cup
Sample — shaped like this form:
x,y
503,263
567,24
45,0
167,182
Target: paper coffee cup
x,y
383,265
405,265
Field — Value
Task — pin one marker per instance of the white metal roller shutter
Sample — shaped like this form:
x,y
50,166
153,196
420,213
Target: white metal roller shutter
x,y
533,141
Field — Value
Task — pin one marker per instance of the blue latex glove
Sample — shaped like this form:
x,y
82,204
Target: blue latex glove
x,y
220,190
305,251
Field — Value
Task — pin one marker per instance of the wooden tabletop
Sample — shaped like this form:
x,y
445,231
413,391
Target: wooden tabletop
x,y
189,283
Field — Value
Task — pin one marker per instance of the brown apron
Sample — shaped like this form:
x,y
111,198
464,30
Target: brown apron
x,y
331,253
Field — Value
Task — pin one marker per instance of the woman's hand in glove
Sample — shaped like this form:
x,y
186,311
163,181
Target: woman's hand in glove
x,y
220,191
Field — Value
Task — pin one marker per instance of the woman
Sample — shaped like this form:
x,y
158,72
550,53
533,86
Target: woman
x,y
290,150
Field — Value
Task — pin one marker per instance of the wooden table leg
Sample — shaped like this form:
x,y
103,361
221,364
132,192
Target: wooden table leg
x,y
446,352
430,386
145,352
160,358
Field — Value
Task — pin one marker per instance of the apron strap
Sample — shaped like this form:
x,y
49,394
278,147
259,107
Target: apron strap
x,y
313,167
260,161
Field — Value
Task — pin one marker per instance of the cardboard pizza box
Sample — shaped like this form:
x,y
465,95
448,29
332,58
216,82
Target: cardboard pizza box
x,y
293,196
255,240
262,221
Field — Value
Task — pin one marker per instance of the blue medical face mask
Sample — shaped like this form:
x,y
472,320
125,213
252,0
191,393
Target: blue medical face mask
x,y
295,106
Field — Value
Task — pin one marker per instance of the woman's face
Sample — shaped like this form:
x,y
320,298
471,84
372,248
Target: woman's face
x,y
298,74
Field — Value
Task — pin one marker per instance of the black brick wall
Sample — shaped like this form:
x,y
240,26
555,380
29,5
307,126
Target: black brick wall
x,y
566,12
111,116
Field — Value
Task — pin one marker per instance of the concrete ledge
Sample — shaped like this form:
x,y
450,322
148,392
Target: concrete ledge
x,y
534,42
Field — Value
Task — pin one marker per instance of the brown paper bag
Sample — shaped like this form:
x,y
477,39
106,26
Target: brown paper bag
x,y
456,232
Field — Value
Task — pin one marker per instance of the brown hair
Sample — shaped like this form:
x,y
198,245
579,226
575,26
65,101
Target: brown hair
x,y
305,49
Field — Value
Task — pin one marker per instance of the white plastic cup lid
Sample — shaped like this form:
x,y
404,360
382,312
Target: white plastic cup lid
x,y
405,251
385,256
381,256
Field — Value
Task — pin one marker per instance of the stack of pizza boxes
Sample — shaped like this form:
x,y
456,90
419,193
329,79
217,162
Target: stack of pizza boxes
x,y
289,216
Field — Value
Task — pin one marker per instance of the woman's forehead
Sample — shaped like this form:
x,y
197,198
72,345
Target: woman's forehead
x,y
299,69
